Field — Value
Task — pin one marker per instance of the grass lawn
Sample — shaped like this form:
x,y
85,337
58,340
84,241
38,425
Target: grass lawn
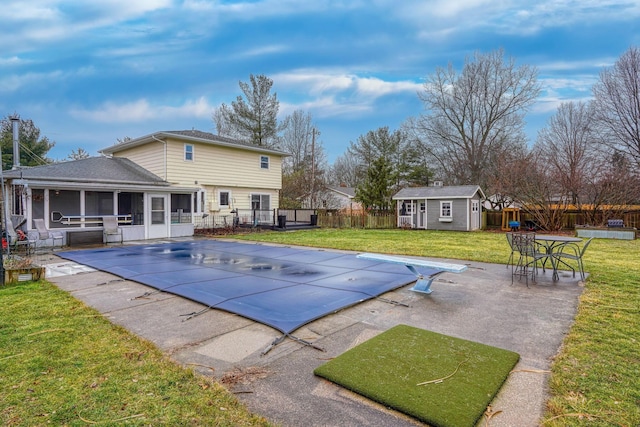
x,y
596,377
62,363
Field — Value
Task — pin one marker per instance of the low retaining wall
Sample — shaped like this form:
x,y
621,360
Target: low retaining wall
x,y
622,233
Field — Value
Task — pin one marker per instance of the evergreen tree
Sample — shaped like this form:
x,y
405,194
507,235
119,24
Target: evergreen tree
x,y
376,190
253,119
33,148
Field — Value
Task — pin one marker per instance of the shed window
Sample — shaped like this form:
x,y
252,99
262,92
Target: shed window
x,y
445,210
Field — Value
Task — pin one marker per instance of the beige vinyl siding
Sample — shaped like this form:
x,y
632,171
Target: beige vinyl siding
x,y
149,156
221,167
240,198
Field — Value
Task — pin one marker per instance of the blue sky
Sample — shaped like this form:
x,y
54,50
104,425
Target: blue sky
x,y
89,72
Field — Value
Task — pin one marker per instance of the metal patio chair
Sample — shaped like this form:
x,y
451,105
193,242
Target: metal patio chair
x,y
528,257
513,249
572,251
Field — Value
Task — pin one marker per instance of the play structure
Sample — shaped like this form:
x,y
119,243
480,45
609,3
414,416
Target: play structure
x,y
510,219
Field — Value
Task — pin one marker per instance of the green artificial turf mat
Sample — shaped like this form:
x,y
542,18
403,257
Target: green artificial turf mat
x,y
389,367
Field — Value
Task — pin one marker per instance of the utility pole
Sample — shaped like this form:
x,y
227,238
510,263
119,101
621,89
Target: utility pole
x,y
313,167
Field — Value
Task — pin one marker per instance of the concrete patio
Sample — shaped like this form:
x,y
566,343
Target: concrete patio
x,y
480,304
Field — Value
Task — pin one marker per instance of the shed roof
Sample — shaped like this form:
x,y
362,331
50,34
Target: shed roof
x,y
192,135
93,169
452,192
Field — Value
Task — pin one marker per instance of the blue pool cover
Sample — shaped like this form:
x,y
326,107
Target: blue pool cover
x,y
281,287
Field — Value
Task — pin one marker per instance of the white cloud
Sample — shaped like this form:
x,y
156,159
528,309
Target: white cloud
x,y
591,63
15,82
261,51
330,94
559,90
141,111
442,18
319,83
13,60
250,10
27,24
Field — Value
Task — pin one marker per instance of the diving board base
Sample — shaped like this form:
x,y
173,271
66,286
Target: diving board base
x,y
423,286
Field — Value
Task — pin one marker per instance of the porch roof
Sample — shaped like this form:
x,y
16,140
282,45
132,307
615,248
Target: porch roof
x,y
96,170
448,192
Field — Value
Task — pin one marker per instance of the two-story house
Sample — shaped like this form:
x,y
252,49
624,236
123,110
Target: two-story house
x,y
157,186
230,176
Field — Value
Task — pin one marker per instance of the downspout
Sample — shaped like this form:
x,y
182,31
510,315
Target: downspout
x,y
165,155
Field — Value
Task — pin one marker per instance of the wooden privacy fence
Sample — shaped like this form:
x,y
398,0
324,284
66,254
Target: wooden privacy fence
x,y
357,220
493,219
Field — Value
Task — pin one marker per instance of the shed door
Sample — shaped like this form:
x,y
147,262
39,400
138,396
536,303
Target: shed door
x,y
422,214
475,214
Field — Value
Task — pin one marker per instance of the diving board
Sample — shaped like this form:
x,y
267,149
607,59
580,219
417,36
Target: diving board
x,y
423,282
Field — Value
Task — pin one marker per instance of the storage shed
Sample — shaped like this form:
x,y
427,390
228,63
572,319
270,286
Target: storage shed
x,y
456,207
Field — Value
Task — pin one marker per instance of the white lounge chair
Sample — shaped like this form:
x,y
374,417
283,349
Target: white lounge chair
x,y
110,229
45,235
28,241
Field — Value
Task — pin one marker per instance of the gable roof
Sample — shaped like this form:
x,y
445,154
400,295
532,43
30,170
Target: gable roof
x,y
104,170
191,136
451,192
349,192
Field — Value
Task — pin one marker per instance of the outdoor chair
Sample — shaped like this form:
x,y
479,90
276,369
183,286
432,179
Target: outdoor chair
x,y
513,249
528,257
17,238
572,251
45,235
110,229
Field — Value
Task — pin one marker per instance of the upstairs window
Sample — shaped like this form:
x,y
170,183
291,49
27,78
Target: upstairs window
x,y
188,152
264,162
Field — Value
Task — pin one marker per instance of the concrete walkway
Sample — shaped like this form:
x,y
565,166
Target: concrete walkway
x,y
480,304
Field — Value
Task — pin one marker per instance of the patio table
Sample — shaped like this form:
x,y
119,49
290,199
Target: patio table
x,y
551,243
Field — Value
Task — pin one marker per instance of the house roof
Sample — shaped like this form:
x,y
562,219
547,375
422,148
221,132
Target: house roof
x,y
104,170
452,192
192,136
346,191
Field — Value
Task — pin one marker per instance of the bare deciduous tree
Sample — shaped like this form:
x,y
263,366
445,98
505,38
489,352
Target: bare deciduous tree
x,y
599,184
297,140
344,171
304,169
567,145
610,189
617,99
504,177
538,191
474,117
